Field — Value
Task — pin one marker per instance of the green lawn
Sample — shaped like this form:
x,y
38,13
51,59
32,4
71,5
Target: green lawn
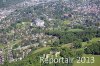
x,y
66,45
66,22
95,40
41,49
96,63
75,30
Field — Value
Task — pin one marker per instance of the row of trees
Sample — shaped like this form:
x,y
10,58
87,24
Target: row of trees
x,y
67,37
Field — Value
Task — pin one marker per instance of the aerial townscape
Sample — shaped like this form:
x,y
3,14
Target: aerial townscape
x,y
35,29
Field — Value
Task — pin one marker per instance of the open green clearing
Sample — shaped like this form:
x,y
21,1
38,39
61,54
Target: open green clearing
x,y
75,30
41,49
96,63
96,57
